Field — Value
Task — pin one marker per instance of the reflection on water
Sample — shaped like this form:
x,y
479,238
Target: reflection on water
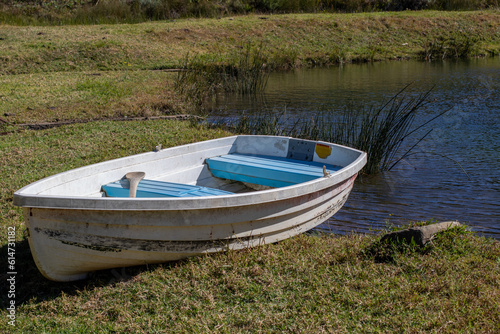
x,y
454,174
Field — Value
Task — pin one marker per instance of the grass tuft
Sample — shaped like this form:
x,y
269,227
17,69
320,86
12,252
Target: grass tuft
x,y
203,77
389,250
453,47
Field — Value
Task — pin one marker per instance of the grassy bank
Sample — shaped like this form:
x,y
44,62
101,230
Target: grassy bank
x,y
307,284
305,39
310,283
87,72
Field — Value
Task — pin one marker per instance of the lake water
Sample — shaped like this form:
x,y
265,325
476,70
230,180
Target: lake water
x,y
456,173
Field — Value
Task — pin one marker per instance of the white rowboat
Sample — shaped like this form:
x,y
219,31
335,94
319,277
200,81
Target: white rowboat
x,y
195,199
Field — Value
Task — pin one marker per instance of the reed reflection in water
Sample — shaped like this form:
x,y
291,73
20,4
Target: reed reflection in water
x,y
453,173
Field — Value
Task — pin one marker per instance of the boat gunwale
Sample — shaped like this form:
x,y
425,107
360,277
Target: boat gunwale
x,y
30,200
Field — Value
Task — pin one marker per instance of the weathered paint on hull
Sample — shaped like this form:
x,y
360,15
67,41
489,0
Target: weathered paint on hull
x,y
68,244
75,230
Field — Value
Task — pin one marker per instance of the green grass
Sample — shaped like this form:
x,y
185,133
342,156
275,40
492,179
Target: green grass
x,y
92,72
58,96
311,283
306,284
302,39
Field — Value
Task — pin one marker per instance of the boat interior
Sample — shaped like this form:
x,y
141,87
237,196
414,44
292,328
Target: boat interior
x,y
227,174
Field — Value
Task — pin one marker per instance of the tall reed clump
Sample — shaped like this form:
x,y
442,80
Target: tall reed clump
x,y
456,46
202,77
379,132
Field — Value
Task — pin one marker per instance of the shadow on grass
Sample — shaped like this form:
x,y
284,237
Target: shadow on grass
x,y
31,286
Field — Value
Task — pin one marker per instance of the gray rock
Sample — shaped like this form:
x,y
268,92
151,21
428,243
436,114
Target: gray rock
x,y
421,234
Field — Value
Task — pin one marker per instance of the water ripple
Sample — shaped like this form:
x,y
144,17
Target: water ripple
x,y
455,173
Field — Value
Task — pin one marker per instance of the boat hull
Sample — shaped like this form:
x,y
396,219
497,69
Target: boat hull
x,y
68,241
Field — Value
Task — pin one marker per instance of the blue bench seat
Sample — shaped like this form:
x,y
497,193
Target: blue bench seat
x,y
266,170
151,188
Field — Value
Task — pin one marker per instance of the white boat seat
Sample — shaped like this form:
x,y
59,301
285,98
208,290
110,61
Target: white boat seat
x,y
266,170
152,188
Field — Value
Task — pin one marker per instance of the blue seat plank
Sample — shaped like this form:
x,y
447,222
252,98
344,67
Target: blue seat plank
x,y
151,188
266,170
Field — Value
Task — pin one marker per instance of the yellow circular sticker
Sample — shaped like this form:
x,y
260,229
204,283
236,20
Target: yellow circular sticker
x,y
323,151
